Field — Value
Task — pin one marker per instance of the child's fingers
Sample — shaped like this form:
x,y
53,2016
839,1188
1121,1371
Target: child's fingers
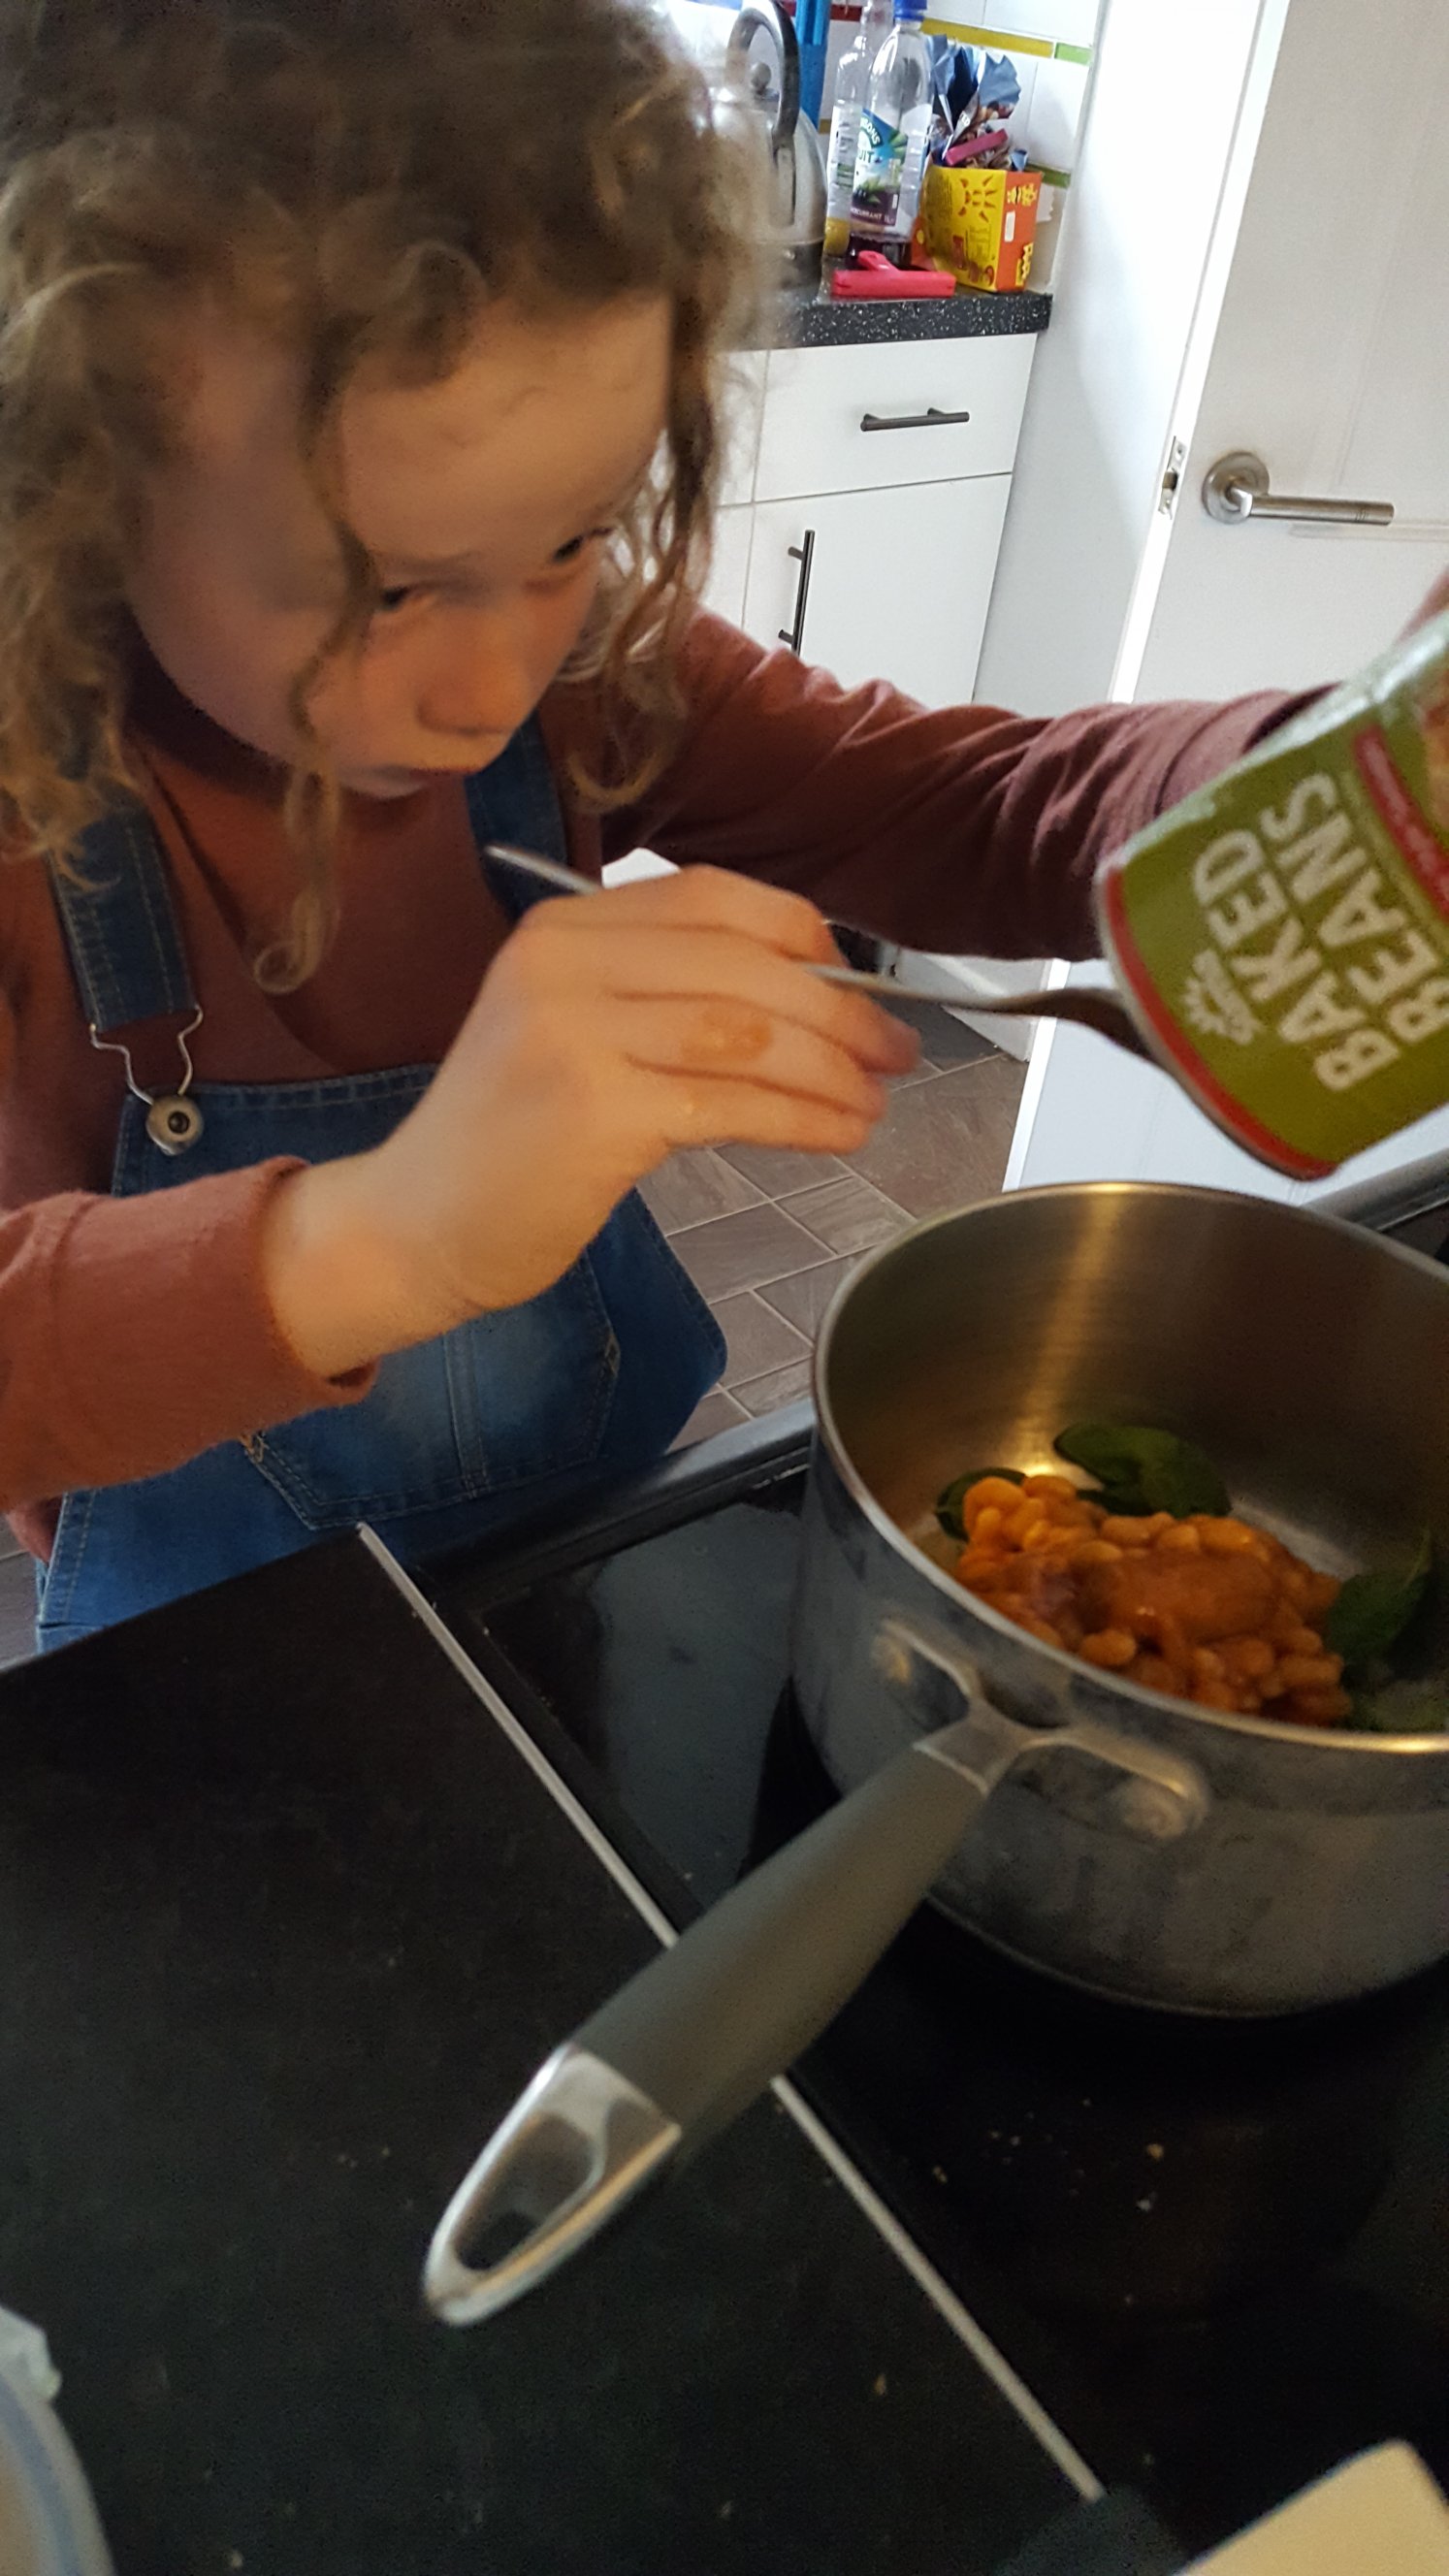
x,y
737,1041
707,899
680,1110
718,967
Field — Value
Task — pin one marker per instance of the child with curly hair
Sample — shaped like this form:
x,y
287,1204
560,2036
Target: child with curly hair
x,y
355,473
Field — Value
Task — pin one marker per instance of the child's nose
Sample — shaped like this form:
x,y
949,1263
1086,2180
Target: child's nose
x,y
480,682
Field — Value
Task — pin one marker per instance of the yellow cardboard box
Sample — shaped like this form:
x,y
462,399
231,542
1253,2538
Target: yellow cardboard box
x,y
980,224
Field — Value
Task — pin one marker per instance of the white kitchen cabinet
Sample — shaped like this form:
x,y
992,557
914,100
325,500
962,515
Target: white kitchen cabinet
x,y
896,585
744,394
904,521
724,591
880,489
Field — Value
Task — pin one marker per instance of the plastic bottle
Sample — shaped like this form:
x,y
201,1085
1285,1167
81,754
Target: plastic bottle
x,y
852,80
895,124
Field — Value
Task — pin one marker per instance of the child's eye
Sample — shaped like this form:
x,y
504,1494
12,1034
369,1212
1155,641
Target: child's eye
x,y
570,553
389,601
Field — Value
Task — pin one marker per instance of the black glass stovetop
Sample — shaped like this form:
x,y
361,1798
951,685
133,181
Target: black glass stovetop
x,y
1217,2253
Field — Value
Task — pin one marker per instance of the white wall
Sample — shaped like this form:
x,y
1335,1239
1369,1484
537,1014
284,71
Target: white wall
x,y
1065,22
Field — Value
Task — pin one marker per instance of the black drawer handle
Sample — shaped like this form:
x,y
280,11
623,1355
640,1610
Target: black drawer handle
x,y
804,556
930,418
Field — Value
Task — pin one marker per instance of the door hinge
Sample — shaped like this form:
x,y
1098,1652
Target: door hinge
x,y
1172,475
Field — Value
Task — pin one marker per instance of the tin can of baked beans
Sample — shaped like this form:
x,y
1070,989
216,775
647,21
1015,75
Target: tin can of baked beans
x,y
1282,937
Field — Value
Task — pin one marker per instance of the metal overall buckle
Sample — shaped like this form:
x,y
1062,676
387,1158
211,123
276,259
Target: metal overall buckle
x,y
173,1120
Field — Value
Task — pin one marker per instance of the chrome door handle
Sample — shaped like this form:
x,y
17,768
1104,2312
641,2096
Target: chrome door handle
x,y
930,418
804,556
1237,488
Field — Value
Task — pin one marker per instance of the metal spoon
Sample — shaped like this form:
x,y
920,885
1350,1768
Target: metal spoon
x,y
1099,1011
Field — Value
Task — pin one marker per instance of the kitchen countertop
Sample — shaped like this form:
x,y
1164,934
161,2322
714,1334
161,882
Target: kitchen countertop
x,y
286,1922
806,320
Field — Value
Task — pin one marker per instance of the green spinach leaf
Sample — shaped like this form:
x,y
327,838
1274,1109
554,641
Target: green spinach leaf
x,y
1373,1610
1143,1470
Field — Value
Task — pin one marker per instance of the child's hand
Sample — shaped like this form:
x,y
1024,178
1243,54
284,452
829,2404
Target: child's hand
x,y
607,1032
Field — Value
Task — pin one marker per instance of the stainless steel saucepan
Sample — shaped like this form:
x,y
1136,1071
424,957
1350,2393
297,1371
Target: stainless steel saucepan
x,y
1147,1849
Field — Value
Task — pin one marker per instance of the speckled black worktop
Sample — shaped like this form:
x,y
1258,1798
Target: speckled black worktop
x,y
804,319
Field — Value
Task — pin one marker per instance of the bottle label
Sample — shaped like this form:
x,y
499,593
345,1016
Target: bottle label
x,y
844,140
880,162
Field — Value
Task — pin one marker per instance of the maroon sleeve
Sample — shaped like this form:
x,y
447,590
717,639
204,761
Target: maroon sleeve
x,y
136,1332
960,829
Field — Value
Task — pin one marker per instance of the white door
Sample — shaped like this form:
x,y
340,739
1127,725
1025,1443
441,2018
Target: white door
x,y
896,580
1329,361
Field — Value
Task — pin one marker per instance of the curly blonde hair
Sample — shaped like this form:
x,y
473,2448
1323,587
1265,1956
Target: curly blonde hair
x,y
362,179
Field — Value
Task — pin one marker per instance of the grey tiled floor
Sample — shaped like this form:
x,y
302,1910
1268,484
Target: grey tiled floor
x,y
767,1236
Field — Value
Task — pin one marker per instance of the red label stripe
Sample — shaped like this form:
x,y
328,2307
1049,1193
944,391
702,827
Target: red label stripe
x,y
1414,837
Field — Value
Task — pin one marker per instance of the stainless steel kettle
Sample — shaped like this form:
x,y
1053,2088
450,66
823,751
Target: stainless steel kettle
x,y
766,118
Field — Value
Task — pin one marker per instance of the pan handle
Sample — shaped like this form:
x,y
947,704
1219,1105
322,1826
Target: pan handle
x,y
693,2039
1146,1791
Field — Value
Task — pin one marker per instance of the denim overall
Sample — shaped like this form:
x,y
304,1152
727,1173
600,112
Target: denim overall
x,y
511,1411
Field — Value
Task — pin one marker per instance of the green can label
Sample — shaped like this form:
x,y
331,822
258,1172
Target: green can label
x,y
1283,935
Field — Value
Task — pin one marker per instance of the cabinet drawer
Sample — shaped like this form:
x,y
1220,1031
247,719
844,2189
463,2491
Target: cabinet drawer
x,y
811,439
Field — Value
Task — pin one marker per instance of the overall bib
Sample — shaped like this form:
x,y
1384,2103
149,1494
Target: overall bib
x,y
458,1436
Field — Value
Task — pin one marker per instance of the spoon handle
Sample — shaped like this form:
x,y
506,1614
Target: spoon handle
x,y
1099,1011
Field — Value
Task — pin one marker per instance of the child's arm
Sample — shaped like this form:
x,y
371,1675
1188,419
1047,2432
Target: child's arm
x,y
607,1033
136,1332
961,828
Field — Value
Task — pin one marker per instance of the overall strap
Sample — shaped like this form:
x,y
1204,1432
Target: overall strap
x,y
516,799
120,925
129,965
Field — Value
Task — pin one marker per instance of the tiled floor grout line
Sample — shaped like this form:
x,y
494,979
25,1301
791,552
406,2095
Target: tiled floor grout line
x,y
829,1252
736,1383
777,1277
677,1233
732,1293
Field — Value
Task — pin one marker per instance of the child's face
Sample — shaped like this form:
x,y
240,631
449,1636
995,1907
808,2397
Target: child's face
x,y
484,502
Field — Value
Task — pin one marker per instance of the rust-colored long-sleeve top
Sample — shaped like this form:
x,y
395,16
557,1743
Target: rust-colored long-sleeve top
x,y
136,1332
